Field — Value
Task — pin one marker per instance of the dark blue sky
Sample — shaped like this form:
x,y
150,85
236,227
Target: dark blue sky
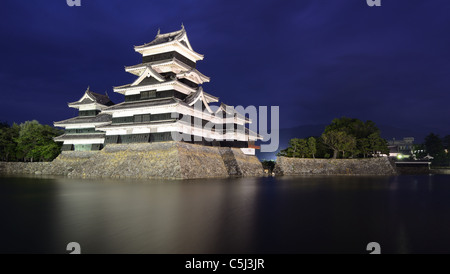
x,y
315,59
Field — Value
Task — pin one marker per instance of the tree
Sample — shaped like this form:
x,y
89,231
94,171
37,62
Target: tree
x,y
348,143
27,139
35,142
352,137
7,142
269,165
293,143
433,144
363,145
323,151
360,131
312,148
446,142
435,148
419,151
300,148
287,152
377,145
353,127
334,139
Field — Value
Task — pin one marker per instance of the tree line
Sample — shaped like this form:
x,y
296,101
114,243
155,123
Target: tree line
x,y
28,142
436,147
343,138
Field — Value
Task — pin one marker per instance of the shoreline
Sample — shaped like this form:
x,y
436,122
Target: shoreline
x,y
79,165
162,160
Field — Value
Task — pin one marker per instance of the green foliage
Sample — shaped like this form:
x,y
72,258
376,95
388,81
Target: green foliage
x,y
434,146
377,144
348,145
287,152
364,147
354,138
29,141
418,151
312,146
300,148
339,141
7,142
269,165
332,138
347,137
446,142
323,151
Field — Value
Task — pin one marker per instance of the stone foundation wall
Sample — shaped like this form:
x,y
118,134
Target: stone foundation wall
x,y
168,160
198,161
413,170
230,162
248,165
22,168
299,166
440,171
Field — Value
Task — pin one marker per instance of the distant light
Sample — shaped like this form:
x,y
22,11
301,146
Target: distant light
x,y
399,156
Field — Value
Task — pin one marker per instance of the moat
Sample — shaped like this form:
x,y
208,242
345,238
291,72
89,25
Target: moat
x,y
333,214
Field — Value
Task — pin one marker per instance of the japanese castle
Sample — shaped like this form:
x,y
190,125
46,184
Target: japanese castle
x,y
165,103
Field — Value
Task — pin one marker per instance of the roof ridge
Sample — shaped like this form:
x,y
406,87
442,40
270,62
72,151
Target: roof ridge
x,y
161,38
96,93
155,62
177,32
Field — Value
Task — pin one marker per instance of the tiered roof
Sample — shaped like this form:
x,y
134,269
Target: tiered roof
x,y
142,104
166,37
65,137
176,72
176,40
99,119
90,97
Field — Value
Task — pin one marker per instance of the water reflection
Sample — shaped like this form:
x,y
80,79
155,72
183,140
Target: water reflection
x,y
156,217
248,215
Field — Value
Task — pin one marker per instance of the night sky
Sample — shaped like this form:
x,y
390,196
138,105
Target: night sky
x,y
317,60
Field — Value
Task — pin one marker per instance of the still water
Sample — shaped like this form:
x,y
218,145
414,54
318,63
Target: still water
x,y
404,214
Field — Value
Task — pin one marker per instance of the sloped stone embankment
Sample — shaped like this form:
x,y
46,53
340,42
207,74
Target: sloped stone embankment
x,y
168,160
301,166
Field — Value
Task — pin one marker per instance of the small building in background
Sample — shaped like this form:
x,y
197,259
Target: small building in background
x,y
401,148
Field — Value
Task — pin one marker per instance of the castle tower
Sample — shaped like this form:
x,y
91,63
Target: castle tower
x,y
165,100
80,132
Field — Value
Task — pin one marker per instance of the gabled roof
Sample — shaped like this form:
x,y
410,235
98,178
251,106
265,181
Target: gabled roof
x,y
140,68
253,134
197,75
230,110
225,108
147,86
149,72
179,35
200,94
173,41
90,97
203,96
183,71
